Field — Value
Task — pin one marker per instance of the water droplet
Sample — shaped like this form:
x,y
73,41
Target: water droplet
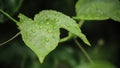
x,y
48,23
33,30
47,40
56,20
40,27
55,27
49,31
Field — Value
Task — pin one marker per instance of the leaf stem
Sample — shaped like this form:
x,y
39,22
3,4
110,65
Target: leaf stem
x,y
84,51
10,39
70,34
7,15
81,23
66,38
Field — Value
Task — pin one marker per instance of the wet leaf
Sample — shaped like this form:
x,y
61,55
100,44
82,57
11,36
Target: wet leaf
x,y
39,36
63,21
42,34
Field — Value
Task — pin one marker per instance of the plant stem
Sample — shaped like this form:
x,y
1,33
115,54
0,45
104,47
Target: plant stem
x,y
66,38
84,51
70,35
10,39
6,14
81,23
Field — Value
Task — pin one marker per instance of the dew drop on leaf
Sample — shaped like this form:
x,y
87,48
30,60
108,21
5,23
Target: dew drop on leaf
x,y
47,23
33,30
49,31
47,40
54,28
56,20
40,27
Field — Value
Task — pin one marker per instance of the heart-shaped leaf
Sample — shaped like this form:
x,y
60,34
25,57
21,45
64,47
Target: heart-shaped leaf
x,y
42,33
98,9
40,36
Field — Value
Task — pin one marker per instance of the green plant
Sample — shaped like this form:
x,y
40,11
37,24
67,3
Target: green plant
x,y
45,28
42,34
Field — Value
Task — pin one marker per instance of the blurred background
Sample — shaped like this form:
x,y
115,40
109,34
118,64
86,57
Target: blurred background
x,y
103,36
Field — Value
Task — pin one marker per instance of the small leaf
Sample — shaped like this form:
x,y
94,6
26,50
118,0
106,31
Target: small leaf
x,y
97,9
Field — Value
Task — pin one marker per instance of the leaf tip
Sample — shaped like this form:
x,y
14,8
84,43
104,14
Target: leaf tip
x,y
41,59
88,43
84,39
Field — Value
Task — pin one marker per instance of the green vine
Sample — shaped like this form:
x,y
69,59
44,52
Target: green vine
x,y
84,51
10,39
7,15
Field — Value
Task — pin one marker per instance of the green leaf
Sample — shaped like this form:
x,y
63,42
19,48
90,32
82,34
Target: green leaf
x,y
40,36
9,6
97,9
116,16
63,21
43,33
